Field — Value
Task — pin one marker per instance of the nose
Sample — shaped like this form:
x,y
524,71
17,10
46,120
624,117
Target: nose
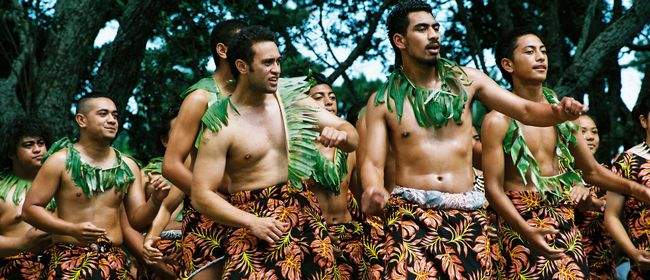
x,y
540,56
37,149
112,119
276,69
433,34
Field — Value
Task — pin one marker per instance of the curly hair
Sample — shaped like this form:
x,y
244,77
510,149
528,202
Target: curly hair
x,y
12,134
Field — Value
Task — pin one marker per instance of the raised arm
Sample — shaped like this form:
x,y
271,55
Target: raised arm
x,y
335,131
181,140
43,189
374,195
139,211
209,170
493,131
596,174
526,111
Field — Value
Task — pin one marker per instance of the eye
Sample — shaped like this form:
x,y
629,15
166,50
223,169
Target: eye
x,y
528,52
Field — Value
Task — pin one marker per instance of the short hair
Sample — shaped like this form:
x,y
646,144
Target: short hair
x,y
164,126
21,127
223,32
241,46
82,102
506,46
320,79
642,108
398,21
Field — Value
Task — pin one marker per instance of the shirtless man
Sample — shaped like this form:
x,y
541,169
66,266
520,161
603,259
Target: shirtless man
x,y
90,181
423,113
25,143
266,149
201,237
330,184
531,180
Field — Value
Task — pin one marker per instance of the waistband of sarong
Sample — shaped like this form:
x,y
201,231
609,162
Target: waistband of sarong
x,y
101,245
533,200
172,234
280,191
24,255
468,201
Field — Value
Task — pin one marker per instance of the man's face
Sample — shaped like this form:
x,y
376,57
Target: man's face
x,y
29,152
264,70
101,118
589,131
325,97
422,38
529,60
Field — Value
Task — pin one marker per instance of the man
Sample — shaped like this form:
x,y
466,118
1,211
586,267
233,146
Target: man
x,y
531,177
626,217
435,219
263,141
25,143
330,183
89,180
201,237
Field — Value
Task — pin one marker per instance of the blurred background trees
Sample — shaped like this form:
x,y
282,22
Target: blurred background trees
x,y
51,53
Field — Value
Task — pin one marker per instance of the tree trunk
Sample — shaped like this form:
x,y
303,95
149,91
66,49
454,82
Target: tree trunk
x,y
120,69
554,41
69,53
585,67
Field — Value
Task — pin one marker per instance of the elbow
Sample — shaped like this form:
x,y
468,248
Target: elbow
x,y
26,214
167,168
198,200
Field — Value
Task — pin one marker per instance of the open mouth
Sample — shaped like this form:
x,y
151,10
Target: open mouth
x,y
539,68
433,48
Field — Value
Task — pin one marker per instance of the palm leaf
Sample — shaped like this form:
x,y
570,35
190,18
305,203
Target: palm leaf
x,y
329,174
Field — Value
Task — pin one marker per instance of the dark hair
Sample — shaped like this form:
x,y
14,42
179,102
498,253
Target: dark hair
x,y
19,128
319,78
241,46
506,46
641,108
163,127
223,32
93,95
398,21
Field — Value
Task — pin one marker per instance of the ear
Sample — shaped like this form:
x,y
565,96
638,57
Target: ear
x,y
242,66
644,121
399,41
221,50
81,120
506,63
163,140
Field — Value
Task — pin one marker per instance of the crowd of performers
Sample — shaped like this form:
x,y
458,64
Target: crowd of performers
x,y
261,179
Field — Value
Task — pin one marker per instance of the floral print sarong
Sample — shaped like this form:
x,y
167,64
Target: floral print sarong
x,y
202,241
99,260
26,265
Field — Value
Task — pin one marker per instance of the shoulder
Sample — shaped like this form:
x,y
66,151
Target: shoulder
x,y
495,122
130,163
197,97
57,158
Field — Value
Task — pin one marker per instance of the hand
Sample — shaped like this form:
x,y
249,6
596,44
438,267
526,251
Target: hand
x,y
537,237
151,254
160,188
640,192
580,195
642,259
36,238
569,108
268,229
373,201
331,137
87,232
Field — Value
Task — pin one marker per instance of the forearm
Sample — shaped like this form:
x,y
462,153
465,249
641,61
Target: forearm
x,y
371,176
218,209
42,219
176,172
617,231
602,177
133,240
160,222
141,217
351,143
539,114
11,246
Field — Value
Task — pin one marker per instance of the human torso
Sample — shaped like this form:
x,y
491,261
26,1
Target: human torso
x,y
334,206
11,223
102,208
257,155
432,158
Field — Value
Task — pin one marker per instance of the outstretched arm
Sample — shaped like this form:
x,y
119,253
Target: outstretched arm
x,y
181,140
494,129
526,111
596,174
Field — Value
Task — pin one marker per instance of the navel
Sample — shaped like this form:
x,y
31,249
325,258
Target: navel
x,y
247,156
406,134
78,194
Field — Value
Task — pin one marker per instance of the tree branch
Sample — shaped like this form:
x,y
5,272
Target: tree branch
x,y
638,48
586,27
588,65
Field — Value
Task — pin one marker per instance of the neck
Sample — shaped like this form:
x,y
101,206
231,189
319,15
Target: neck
x,y
27,173
222,76
246,96
528,90
94,148
425,76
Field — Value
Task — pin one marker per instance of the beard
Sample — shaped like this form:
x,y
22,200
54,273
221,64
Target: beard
x,y
430,62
